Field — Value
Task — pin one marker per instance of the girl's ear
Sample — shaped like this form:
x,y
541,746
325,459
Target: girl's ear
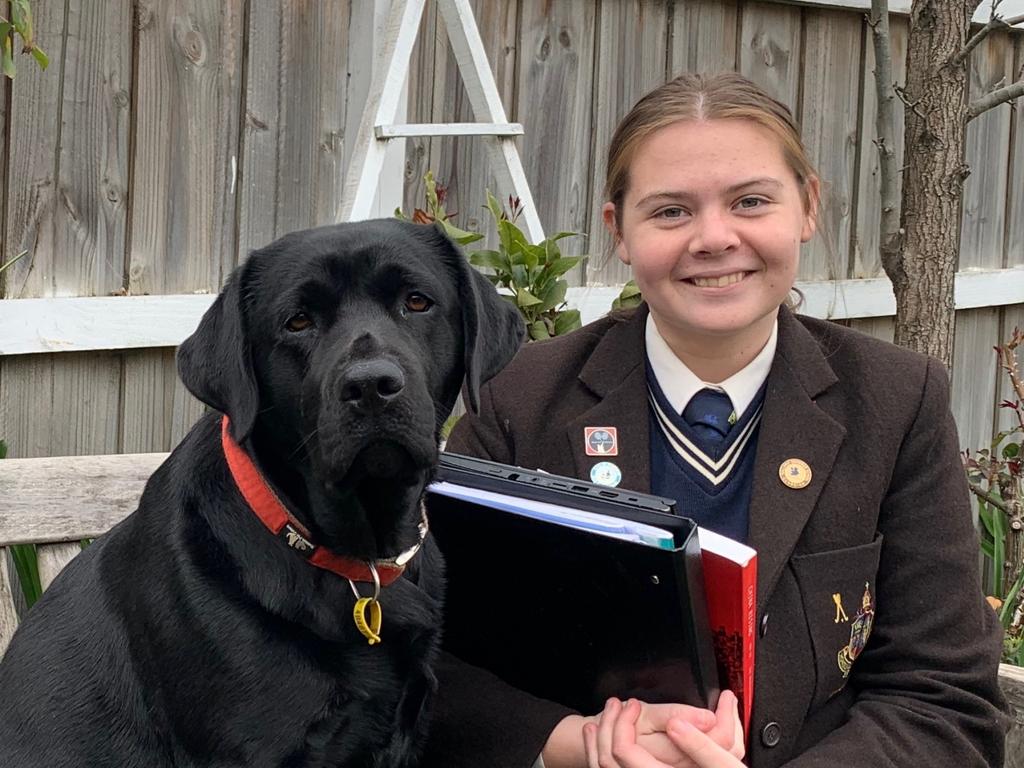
x,y
811,214
608,215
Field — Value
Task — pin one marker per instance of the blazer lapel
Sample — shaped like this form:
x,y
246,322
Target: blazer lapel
x,y
792,427
616,375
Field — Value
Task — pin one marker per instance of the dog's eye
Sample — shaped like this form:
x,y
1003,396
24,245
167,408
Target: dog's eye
x,y
417,302
299,322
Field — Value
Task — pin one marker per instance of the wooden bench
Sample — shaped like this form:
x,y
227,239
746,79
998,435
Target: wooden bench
x,y
55,503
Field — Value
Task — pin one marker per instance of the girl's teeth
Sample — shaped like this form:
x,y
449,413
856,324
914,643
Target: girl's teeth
x,y
717,282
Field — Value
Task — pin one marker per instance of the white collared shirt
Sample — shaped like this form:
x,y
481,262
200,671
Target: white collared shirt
x,y
680,384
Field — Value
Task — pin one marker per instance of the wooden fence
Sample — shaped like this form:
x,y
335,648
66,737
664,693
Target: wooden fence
x,y
169,138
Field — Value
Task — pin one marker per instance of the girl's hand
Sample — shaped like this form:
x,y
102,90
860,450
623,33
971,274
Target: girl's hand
x,y
618,742
565,748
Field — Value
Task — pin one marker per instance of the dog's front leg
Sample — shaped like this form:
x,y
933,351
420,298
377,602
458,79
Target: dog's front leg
x,y
411,722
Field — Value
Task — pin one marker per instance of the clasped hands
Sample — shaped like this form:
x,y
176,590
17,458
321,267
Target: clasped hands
x,y
639,735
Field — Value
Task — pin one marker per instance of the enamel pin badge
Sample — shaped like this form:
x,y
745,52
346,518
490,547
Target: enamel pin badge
x,y
795,473
601,441
605,473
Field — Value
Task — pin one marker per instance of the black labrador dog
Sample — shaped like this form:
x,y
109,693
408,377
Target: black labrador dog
x,y
218,625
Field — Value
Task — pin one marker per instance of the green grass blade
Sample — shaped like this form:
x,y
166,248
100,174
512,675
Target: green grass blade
x,y
1006,611
5,266
985,515
26,565
998,550
986,547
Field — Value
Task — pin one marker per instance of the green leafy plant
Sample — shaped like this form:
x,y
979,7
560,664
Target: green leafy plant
x,y
629,297
435,213
530,273
996,477
19,24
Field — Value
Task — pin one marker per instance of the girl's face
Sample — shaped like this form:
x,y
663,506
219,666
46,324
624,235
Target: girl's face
x,y
711,225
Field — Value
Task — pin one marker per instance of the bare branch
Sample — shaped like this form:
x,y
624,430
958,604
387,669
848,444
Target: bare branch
x,y
985,496
1008,362
994,99
885,128
913,105
994,23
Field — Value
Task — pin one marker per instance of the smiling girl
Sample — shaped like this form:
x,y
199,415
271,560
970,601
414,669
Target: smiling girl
x,y
832,453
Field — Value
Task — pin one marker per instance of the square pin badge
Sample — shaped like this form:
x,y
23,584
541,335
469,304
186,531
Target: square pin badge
x,y
601,441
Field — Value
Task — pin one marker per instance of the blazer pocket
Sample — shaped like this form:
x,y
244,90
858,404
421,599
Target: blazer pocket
x,y
838,593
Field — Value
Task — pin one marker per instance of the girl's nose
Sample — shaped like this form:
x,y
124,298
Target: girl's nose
x,y
713,234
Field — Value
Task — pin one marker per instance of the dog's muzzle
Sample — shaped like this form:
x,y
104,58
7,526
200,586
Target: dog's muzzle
x,y
371,384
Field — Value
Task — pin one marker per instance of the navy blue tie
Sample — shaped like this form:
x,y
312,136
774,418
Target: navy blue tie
x,y
709,413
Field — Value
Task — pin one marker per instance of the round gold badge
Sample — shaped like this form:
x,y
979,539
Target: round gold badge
x,y
795,473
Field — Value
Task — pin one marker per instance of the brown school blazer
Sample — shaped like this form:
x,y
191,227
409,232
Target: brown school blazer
x,y
886,513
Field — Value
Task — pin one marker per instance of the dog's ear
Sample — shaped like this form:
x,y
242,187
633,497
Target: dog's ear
x,y
214,362
492,328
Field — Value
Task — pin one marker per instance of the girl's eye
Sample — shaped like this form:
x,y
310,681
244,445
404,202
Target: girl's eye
x,y
417,302
300,321
749,203
673,212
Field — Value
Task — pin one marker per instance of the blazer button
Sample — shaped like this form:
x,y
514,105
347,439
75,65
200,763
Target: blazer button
x,y
771,734
764,625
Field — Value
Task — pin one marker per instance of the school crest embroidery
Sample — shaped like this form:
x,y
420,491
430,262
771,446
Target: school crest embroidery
x,y
860,630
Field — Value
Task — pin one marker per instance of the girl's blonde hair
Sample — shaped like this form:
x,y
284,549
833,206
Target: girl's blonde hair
x,y
725,96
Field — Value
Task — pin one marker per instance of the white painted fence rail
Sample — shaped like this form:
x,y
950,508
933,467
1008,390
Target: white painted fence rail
x,y
81,324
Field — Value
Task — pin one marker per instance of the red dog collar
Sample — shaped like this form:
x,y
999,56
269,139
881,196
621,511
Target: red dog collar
x,y
268,508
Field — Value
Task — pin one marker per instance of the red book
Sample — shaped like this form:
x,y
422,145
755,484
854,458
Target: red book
x,y
730,584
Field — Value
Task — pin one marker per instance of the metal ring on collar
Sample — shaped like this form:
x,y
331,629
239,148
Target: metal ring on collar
x,y
376,583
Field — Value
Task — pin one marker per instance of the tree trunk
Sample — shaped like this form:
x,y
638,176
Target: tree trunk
x,y
922,271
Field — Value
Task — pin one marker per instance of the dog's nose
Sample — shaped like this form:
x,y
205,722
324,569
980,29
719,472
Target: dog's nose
x,y
371,383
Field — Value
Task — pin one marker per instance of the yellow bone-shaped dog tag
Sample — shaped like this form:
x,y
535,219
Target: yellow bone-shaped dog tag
x,y
371,630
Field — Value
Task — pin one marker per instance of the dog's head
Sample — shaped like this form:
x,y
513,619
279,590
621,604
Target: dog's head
x,y
337,353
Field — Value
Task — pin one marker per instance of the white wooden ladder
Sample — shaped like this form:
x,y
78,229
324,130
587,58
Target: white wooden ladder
x,y
382,105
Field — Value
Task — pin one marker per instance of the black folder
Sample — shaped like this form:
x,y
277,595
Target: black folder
x,y
569,615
